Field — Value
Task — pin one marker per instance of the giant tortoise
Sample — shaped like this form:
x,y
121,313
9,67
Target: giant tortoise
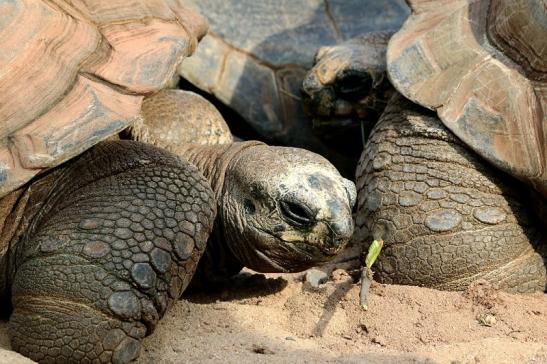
x,y
439,187
256,54
99,238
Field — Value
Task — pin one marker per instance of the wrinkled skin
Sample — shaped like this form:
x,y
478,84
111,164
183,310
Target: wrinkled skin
x,y
285,219
281,209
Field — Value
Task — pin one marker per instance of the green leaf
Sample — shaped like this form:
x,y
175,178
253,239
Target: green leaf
x,y
373,252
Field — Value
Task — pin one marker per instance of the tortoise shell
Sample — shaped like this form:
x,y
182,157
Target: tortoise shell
x,y
482,66
257,53
73,73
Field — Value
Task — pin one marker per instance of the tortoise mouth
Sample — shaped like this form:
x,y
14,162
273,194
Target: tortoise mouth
x,y
281,256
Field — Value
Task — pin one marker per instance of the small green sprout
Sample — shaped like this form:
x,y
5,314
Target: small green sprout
x,y
373,252
366,274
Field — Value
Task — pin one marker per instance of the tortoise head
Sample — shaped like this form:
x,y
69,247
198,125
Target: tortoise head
x,y
285,209
348,80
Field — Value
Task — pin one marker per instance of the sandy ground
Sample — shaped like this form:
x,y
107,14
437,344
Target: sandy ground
x,y
281,319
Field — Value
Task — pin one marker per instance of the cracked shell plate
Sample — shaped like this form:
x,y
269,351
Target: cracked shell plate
x,y
73,73
482,65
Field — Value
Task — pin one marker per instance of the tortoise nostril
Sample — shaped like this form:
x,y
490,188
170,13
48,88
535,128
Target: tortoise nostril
x,y
354,85
342,231
339,241
310,86
249,207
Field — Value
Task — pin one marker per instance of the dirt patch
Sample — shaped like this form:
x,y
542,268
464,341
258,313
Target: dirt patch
x,y
279,319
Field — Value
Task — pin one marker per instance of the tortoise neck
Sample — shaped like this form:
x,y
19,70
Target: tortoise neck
x,y
218,261
213,160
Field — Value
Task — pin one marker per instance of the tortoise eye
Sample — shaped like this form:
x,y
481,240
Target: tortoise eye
x,y
354,85
296,214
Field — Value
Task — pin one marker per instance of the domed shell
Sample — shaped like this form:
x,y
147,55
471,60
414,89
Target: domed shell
x,y
73,73
482,65
171,118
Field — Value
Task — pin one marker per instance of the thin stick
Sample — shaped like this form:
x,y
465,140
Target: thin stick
x,y
366,281
366,273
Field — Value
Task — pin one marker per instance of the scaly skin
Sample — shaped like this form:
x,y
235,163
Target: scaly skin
x,y
254,184
115,243
114,237
446,217
101,247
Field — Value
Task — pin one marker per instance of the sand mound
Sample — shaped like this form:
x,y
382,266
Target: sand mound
x,y
280,319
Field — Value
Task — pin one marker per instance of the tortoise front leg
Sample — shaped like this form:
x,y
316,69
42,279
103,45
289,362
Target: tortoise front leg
x,y
117,243
446,217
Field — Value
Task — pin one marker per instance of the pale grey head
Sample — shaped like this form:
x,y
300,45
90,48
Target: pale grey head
x,y
285,209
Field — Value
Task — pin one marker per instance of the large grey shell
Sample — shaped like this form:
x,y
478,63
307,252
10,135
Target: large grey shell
x,y
257,53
